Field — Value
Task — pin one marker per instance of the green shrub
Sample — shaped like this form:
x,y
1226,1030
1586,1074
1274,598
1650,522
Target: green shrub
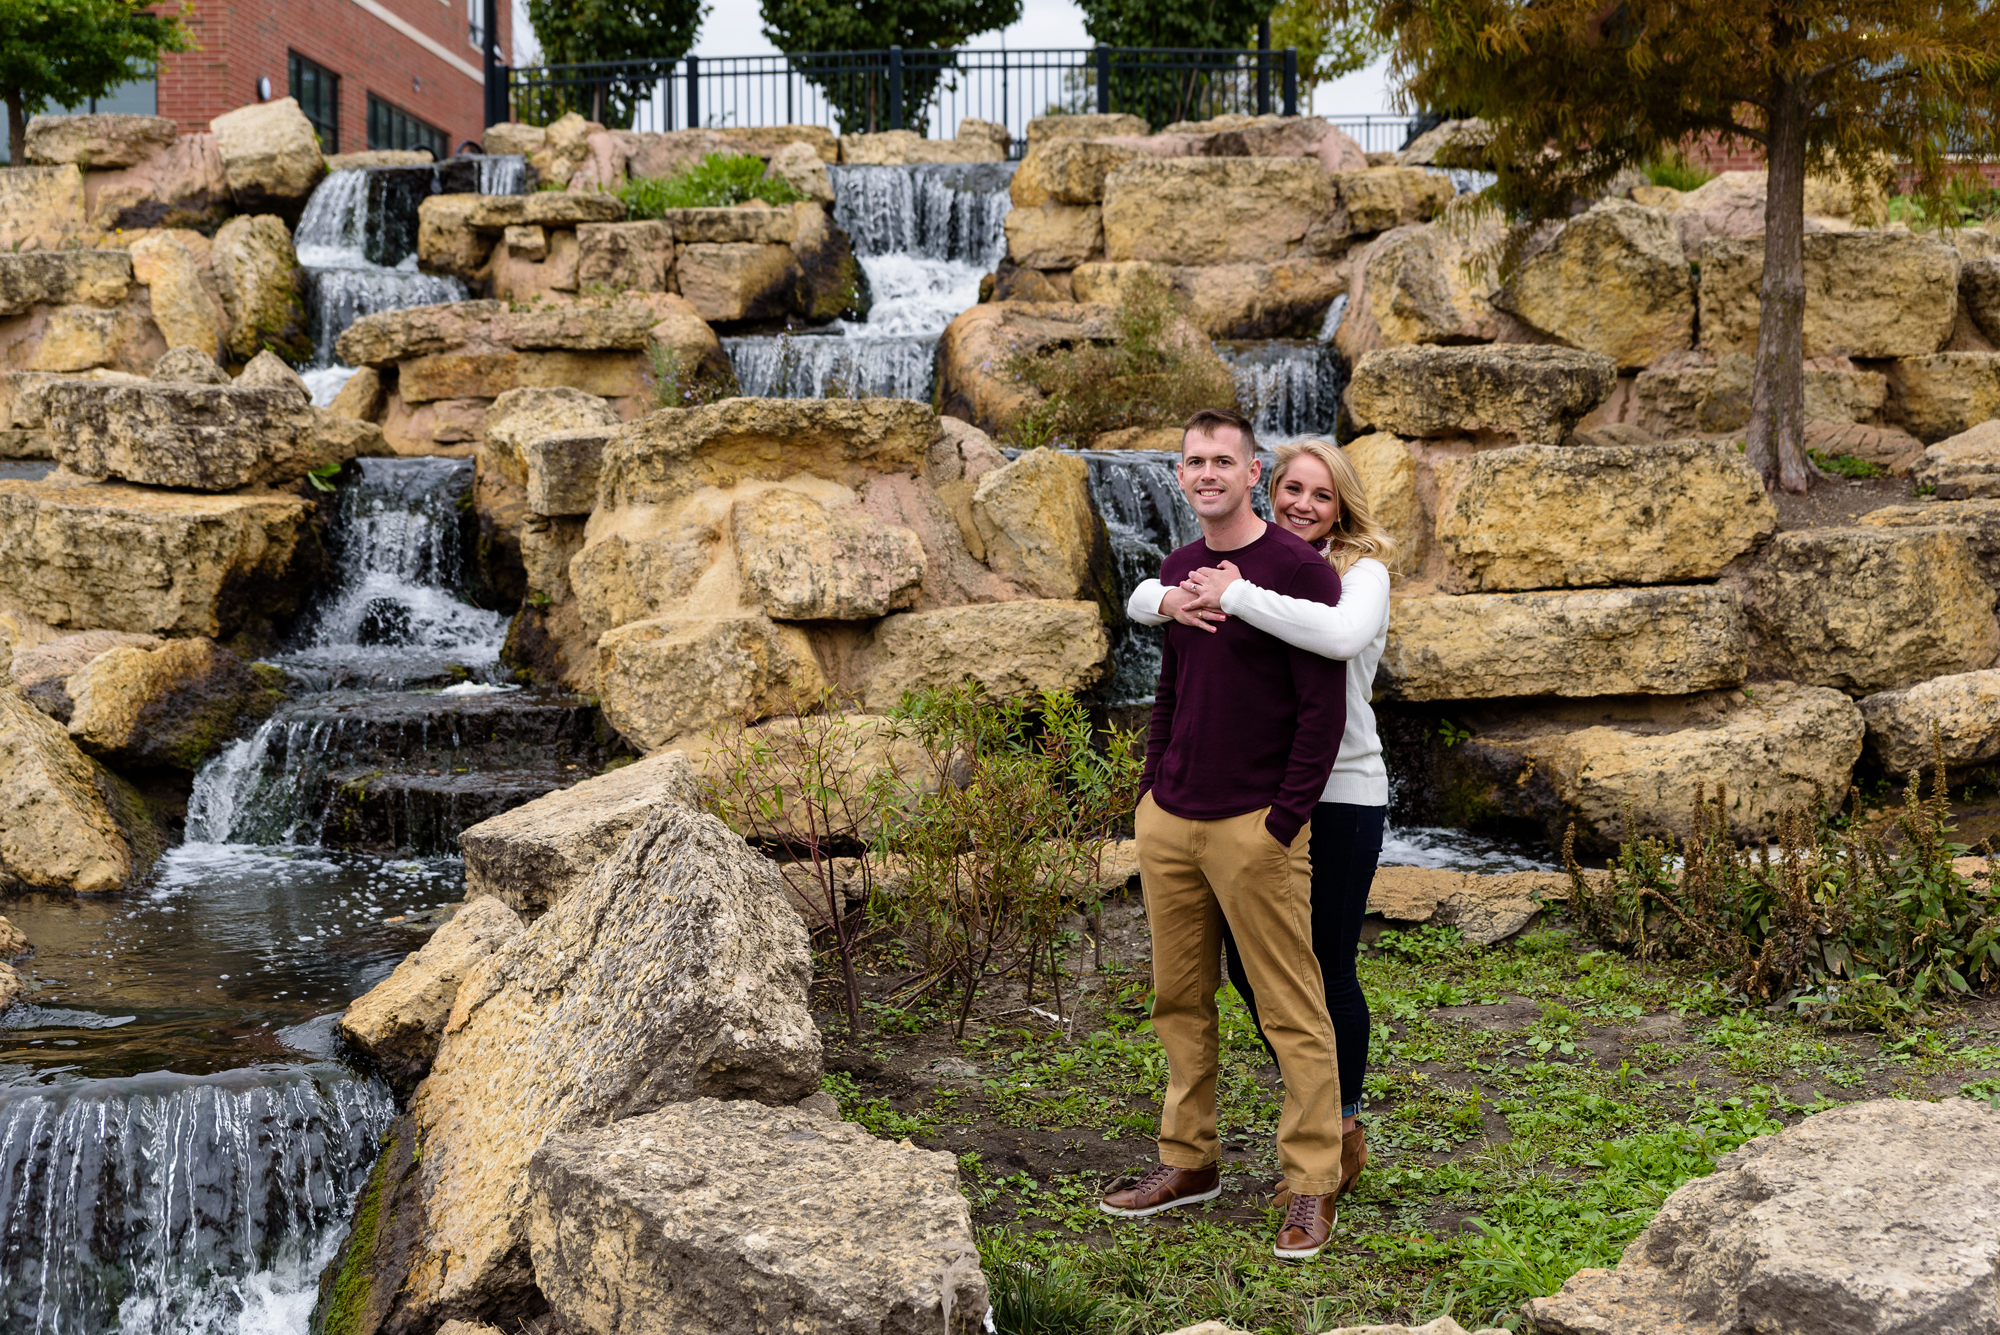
x,y
1846,465
1149,375
717,181
1846,927
1674,171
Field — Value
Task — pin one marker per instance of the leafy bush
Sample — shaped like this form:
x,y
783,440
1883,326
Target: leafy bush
x,y
1846,465
1844,926
1674,171
1149,375
717,181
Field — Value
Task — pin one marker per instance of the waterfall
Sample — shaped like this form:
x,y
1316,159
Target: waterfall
x,y
179,1205
1287,388
924,236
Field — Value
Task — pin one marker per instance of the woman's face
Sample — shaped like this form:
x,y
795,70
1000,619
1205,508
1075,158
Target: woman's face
x,y
1306,503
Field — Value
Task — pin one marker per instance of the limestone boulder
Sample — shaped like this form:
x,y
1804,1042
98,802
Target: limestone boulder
x,y
663,678
1283,299
1037,526
677,971
398,1023
625,255
1679,396
1455,143
257,272
41,674
87,338
1945,394
1237,135
531,857
57,830
1977,521
1055,236
1979,293
1389,477
1554,517
544,208
182,307
182,185
99,141
197,437
267,370
1525,393
1377,199
360,399
658,1222
1653,641
1961,711
562,468
1873,1217
1868,294
1214,210
892,148
1867,609
800,167
1965,465
1586,763
140,559
1416,284
1015,650
41,208
270,156
1613,280
189,366
1485,909
447,242
518,419
1088,126
733,282
62,277
1066,171
803,561
169,705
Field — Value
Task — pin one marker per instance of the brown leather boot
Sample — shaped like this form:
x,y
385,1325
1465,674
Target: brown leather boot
x,y
1353,1158
1308,1224
1164,1188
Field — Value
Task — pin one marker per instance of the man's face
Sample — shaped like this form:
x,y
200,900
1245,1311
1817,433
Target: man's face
x,y
1217,472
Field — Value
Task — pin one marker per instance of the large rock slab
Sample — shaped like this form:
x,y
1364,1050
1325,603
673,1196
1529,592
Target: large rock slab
x,y
63,277
1945,393
678,971
1066,171
398,1023
666,677
1531,394
257,272
1055,236
1390,477
1377,199
40,207
1869,609
1281,299
1037,526
1977,521
544,208
270,156
99,141
562,468
531,857
1215,210
1015,650
182,307
1657,641
194,437
1962,710
172,704
1614,280
1868,294
114,557
1555,517
804,561
1416,284
57,831
42,673
1965,466
662,1222
1865,1220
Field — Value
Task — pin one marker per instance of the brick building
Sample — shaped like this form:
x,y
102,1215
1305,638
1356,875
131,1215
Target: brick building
x,y
367,73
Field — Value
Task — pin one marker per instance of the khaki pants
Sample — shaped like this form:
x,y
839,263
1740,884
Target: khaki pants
x,y
1196,872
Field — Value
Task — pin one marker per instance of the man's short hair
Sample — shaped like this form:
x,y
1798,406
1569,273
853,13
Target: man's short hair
x,y
1208,419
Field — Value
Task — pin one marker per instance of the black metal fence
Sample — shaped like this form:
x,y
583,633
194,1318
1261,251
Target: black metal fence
x,y
928,91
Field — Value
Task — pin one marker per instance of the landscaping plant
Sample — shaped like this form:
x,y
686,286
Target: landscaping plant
x,y
718,181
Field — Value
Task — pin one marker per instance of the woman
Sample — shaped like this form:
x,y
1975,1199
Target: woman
x,y
1317,495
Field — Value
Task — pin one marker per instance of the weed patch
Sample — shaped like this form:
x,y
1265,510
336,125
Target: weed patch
x,y
718,181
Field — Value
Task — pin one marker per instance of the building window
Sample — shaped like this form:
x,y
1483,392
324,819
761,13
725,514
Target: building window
x,y
475,16
317,89
389,126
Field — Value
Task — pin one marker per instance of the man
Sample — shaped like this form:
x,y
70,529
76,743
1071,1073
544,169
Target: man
x,y
1244,731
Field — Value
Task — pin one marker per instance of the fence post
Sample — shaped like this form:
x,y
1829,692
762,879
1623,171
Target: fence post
x,y
1103,79
1291,81
895,87
694,91
1264,67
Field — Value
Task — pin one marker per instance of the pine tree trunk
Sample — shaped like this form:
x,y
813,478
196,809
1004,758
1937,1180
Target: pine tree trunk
x,y
1777,390
17,133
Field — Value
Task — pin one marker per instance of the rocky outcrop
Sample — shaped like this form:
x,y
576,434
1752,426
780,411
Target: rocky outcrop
x,y
397,1023
1977,521
665,677
1484,909
1682,395
1614,281
60,277
186,314
1066,171
517,420
676,972
1389,476
1216,210
257,272
1958,711
1015,650
128,558
1657,641
171,704
664,1222
891,148
1870,1218
1417,285
57,830
1531,394
189,366
1869,609
804,561
1037,526
40,208
1967,465
1281,299
1946,393
41,674
270,156
194,437
99,142
1552,517
1585,764
533,856
1868,294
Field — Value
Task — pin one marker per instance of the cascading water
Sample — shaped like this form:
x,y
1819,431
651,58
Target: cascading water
x,y
924,237
1287,387
357,247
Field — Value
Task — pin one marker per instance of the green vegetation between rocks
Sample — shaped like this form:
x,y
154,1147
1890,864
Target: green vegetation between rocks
x,y
1674,171
718,181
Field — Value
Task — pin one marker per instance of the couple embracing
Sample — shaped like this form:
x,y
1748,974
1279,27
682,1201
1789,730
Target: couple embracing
x,y
1262,809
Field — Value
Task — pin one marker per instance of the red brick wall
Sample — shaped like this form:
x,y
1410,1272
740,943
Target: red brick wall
x,y
1709,152
241,40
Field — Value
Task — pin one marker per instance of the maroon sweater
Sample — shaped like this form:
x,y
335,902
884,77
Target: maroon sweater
x,y
1241,720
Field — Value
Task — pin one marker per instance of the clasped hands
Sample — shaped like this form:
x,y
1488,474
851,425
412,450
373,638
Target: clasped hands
x,y
1197,600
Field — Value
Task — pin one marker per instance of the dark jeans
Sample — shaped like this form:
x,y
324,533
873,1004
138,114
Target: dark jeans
x,y
1346,842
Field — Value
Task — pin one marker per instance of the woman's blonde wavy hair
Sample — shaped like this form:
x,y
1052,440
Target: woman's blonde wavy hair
x,y
1355,533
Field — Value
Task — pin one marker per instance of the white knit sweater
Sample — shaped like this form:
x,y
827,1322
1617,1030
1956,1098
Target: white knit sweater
x,y
1355,630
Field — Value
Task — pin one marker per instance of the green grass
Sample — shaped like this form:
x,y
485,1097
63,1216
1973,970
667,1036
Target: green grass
x,y
1674,171
1846,465
719,180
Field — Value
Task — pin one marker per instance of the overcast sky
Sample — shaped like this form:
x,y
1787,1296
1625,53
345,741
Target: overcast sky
x,y
733,29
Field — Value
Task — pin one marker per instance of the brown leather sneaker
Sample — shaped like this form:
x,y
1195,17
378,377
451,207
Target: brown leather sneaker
x,y
1353,1158
1164,1188
1308,1224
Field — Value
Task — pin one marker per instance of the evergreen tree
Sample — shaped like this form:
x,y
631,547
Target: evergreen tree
x,y
62,53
